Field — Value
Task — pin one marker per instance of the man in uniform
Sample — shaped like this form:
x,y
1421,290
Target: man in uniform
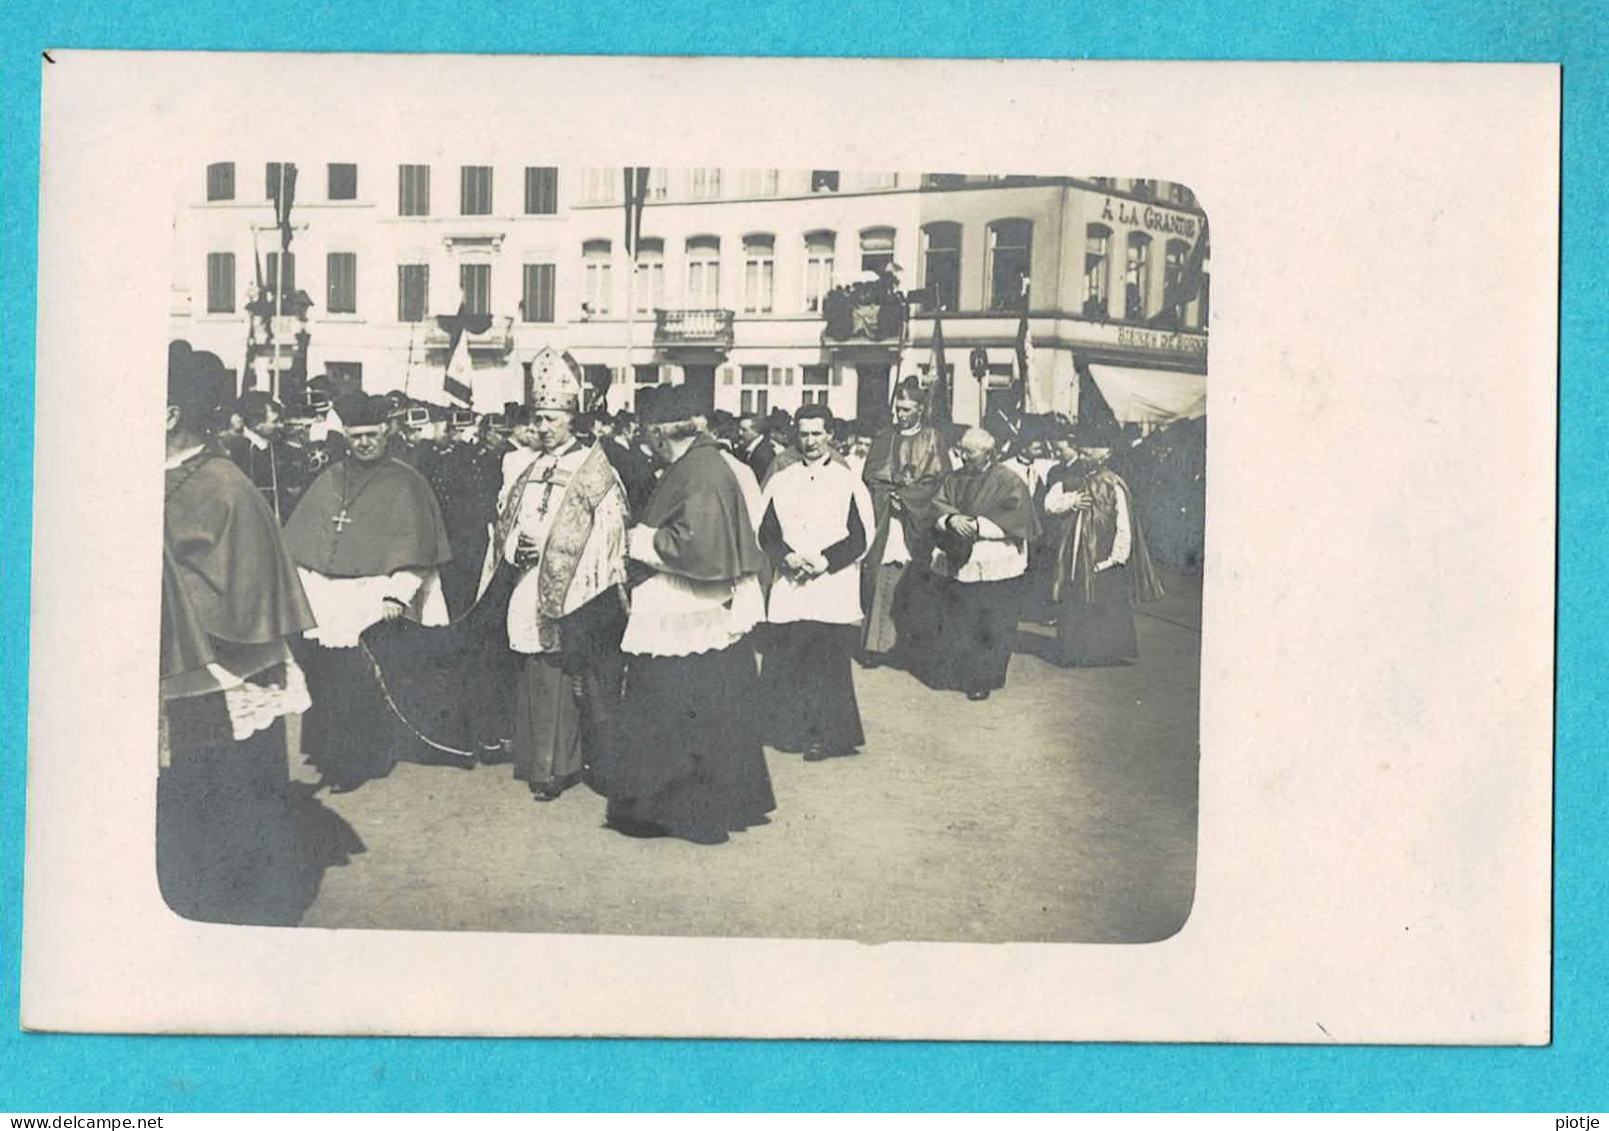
x,y
690,761
816,517
562,528
369,540
276,465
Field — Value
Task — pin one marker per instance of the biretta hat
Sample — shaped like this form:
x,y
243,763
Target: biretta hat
x,y
360,411
668,404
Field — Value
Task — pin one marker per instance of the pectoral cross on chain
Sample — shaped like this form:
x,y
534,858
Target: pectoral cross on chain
x,y
341,521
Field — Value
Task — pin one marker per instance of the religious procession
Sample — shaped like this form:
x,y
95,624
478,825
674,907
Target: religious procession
x,y
648,606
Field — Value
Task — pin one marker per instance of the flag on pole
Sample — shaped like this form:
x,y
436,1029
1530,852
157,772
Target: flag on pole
x,y
458,382
636,194
1025,358
283,201
939,394
1183,290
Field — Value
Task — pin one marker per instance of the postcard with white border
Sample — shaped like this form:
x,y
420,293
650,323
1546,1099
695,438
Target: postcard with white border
x,y
739,547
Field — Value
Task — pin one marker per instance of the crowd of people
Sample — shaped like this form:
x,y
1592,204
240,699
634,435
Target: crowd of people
x,y
639,603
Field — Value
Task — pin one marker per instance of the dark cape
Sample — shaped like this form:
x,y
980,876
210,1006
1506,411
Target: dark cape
x,y
995,493
230,592
395,523
1094,611
690,761
909,468
704,528
234,843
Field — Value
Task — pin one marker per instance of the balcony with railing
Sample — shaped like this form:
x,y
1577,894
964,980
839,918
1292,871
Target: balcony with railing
x,y
496,338
705,328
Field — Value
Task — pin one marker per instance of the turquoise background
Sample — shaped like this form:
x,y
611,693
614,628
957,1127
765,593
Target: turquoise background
x,y
48,1073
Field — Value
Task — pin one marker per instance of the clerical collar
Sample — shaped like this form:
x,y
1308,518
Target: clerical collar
x,y
825,457
184,457
912,430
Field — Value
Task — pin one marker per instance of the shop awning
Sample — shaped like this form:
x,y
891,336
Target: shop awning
x,y
1151,396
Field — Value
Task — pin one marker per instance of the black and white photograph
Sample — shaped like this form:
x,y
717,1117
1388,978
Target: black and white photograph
x,y
723,547
776,552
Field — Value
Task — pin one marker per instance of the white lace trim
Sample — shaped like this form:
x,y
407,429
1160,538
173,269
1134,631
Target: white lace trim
x,y
254,707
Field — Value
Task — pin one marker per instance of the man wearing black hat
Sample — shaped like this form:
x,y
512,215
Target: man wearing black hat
x,y
270,460
690,762
369,539
231,601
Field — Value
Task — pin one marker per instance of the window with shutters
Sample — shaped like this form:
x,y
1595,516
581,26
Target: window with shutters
x,y
341,282
413,190
758,182
781,375
755,375
1143,187
221,282
704,184
941,265
876,249
413,291
343,182
757,401
277,174
649,285
273,280
1097,269
597,279
1137,276
704,272
475,279
646,374
818,268
1010,260
536,303
815,375
541,190
601,185
759,274
1174,255
658,184
814,396
221,180
475,190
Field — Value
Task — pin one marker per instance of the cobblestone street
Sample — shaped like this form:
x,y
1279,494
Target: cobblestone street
x,y
1063,809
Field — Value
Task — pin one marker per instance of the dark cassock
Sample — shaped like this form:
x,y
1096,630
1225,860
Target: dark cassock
x,y
369,541
562,533
903,470
636,471
1101,565
690,762
465,478
985,522
817,518
231,601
